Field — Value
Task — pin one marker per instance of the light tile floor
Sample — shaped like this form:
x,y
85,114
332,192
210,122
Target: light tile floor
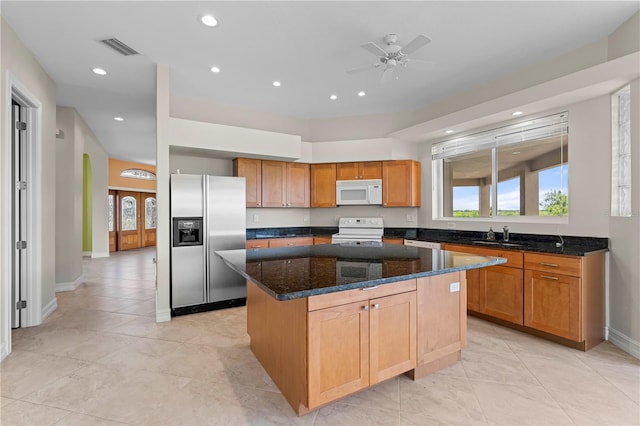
x,y
101,359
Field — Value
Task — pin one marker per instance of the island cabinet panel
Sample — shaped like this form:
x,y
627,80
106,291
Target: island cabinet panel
x,y
501,293
441,322
361,170
401,183
323,185
251,170
338,352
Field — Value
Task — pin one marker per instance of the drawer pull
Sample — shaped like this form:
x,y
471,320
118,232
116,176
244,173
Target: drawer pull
x,y
369,288
365,307
547,277
376,306
553,265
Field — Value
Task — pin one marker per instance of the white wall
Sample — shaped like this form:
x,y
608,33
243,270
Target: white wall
x,y
100,188
200,165
25,69
624,278
68,240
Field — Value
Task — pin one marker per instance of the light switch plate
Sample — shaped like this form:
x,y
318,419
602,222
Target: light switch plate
x,y
454,287
256,218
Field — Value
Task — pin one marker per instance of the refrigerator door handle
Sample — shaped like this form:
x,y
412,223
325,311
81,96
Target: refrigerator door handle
x,y
205,207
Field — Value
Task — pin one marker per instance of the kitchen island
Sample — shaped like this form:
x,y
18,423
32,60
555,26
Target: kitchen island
x,y
329,320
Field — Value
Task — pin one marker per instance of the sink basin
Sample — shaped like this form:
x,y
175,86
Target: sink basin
x,y
497,243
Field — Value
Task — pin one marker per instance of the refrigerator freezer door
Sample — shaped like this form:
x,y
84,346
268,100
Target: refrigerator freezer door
x,y
226,225
187,276
187,195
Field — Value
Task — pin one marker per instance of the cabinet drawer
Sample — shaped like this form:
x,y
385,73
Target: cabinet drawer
x,y
514,258
290,242
566,265
359,294
251,244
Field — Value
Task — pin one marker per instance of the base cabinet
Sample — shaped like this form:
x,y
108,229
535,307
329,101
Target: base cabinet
x,y
501,293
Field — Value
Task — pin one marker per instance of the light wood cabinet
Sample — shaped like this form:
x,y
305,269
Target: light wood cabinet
x,y
323,185
401,183
359,170
321,240
359,344
279,242
393,240
274,183
251,170
496,291
262,243
564,296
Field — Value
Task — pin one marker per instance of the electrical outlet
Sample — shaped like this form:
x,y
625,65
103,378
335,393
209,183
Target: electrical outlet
x,y
256,218
306,218
454,287
411,218
451,225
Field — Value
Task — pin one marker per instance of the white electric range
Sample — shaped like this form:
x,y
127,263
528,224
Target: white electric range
x,y
359,230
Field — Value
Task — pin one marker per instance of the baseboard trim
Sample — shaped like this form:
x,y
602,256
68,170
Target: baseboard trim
x,y
49,308
86,254
624,342
70,286
163,315
95,255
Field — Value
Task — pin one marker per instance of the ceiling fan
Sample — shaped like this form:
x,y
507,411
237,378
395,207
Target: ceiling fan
x,y
392,56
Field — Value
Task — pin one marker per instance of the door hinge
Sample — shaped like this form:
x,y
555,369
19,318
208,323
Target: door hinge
x,y
21,125
21,185
21,245
21,304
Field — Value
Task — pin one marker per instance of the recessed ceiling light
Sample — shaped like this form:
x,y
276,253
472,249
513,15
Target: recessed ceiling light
x,y
448,131
276,83
99,71
209,20
516,113
118,118
215,70
361,93
333,97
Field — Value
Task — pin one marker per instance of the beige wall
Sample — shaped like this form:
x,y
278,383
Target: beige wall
x,y
116,181
68,191
26,70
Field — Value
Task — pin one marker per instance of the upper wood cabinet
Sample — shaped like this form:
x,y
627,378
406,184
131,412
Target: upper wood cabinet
x,y
285,184
323,185
363,170
251,170
401,183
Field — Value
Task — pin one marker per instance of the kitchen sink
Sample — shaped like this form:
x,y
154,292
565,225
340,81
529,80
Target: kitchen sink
x,y
497,243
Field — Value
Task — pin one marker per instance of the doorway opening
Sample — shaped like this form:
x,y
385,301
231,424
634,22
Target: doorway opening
x,y
132,220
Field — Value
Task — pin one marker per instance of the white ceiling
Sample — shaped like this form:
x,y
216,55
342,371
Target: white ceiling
x,y
307,45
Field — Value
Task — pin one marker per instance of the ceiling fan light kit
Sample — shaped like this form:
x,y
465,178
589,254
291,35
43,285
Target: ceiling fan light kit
x,y
394,56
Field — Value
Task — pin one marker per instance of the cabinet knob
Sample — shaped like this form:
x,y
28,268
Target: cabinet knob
x,y
376,306
283,204
257,204
365,307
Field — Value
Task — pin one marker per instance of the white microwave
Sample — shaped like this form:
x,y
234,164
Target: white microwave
x,y
358,192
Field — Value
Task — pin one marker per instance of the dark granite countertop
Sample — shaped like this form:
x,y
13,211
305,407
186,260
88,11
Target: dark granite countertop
x,y
295,272
573,246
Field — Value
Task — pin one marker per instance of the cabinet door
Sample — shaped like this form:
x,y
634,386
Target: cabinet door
x,y
370,170
297,185
323,185
321,240
501,293
290,242
251,244
473,290
392,240
552,304
392,334
251,170
347,171
338,352
274,183
401,183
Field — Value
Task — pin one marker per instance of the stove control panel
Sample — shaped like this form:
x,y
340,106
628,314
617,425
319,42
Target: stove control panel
x,y
361,222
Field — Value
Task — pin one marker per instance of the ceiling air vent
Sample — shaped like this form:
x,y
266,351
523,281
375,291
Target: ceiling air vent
x,y
119,46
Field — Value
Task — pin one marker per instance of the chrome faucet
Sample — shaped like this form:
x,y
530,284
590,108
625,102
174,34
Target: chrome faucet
x,y
505,233
491,235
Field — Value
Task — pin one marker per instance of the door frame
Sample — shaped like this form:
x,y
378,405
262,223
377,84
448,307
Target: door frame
x,y
32,315
116,206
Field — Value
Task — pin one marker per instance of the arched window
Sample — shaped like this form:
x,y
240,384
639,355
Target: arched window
x,y
138,174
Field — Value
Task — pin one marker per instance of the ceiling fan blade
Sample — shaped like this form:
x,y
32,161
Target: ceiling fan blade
x,y
363,68
419,64
388,75
415,44
373,48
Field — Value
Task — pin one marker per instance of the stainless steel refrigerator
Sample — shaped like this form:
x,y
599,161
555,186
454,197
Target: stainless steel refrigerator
x,y
207,214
